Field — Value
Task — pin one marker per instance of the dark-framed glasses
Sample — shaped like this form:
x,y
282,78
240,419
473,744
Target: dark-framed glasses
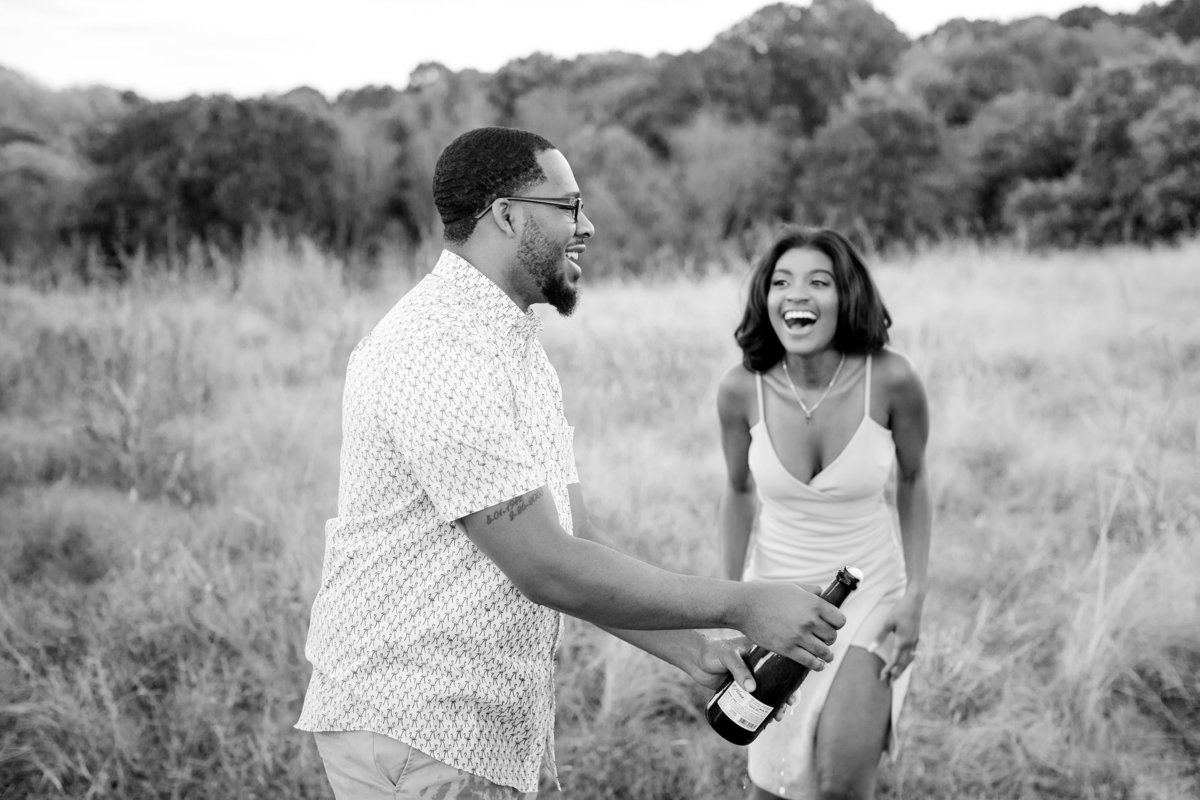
x,y
572,204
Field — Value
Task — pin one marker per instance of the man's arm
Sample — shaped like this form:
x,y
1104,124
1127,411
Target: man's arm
x,y
706,658
601,585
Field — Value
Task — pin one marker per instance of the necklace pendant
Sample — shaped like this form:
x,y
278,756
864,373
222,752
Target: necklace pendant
x,y
808,412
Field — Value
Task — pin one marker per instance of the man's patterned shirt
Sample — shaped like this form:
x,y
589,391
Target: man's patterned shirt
x,y
450,407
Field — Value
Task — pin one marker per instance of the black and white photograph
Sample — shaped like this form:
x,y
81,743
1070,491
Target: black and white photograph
x,y
626,400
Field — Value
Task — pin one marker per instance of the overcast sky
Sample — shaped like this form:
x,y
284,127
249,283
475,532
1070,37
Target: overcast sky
x,y
166,49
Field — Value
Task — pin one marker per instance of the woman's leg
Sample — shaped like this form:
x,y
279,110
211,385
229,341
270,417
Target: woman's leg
x,y
853,727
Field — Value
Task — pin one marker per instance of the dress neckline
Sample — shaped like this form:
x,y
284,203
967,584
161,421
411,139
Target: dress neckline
x,y
762,420
762,423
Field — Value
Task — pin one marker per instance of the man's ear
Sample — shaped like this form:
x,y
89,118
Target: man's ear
x,y
502,216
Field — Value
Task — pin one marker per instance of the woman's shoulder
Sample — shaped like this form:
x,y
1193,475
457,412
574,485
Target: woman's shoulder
x,y
896,374
736,386
737,379
893,365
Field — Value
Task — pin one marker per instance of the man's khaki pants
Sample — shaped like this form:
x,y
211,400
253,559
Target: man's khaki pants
x,y
362,765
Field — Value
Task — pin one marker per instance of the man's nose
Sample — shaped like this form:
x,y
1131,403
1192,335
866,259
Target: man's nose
x,y
584,228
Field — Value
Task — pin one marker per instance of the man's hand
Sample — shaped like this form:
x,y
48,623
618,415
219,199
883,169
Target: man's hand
x,y
719,657
791,620
723,656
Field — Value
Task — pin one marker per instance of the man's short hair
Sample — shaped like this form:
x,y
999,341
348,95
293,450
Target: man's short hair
x,y
479,166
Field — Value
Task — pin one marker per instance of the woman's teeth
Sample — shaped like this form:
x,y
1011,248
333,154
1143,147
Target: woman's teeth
x,y
799,318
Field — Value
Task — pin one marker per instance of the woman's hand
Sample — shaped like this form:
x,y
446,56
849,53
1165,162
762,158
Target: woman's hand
x,y
904,623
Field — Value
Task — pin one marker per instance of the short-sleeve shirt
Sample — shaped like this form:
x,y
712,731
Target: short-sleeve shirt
x,y
450,407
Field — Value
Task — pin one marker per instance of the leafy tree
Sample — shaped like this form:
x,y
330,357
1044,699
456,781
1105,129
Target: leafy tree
x,y
1079,130
882,169
437,106
800,59
956,73
368,98
59,119
42,174
1167,139
39,190
1129,158
656,104
1046,213
1100,118
1180,18
364,169
1015,137
553,96
586,91
210,169
363,180
629,196
963,67
728,175
308,100
552,111
1082,17
519,77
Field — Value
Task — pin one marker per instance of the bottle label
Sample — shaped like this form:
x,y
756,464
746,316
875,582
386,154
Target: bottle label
x,y
742,708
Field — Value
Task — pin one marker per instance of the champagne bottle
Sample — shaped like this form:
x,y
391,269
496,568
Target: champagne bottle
x,y
739,715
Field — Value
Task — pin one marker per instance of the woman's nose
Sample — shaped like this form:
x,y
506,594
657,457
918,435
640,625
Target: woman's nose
x,y
797,291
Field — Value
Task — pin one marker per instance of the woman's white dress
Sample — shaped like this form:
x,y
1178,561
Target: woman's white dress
x,y
806,533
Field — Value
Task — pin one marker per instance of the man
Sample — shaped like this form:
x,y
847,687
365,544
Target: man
x,y
461,534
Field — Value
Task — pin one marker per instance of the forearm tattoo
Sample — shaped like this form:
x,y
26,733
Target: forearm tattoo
x,y
514,507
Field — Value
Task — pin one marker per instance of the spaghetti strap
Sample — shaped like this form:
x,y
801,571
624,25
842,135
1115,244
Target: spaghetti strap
x,y
759,392
867,393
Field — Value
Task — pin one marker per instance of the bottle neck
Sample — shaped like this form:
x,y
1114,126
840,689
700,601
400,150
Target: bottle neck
x,y
837,592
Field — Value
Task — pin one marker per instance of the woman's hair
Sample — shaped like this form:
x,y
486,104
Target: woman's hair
x,y
862,320
479,166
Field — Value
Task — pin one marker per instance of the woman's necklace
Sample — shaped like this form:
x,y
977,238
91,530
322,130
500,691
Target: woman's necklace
x,y
808,412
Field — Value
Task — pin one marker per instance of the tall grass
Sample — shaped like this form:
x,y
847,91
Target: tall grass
x,y
168,455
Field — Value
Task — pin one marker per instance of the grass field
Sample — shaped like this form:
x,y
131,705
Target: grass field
x,y
168,456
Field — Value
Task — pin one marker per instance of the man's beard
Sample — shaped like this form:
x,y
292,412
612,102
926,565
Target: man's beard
x,y
544,262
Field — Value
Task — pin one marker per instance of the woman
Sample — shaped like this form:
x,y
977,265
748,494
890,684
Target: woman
x,y
811,421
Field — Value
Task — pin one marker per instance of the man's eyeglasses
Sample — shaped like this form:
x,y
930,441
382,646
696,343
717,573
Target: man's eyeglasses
x,y
572,204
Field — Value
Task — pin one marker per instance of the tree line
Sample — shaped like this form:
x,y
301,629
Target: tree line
x,y
1075,131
